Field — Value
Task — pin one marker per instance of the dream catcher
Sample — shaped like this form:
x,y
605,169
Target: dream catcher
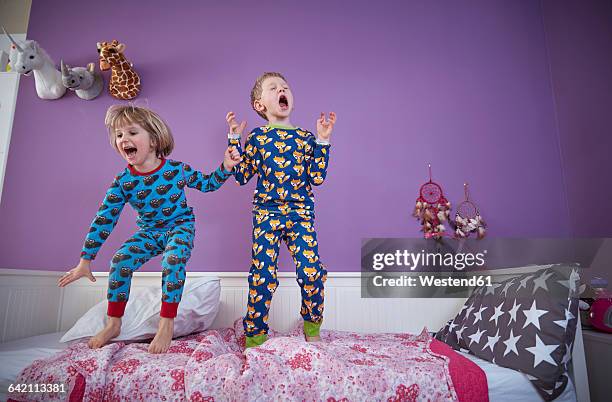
x,y
468,219
432,209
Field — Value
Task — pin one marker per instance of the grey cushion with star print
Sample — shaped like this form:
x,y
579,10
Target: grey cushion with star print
x,y
526,323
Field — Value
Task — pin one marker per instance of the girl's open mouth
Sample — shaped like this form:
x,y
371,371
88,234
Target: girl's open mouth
x,y
130,151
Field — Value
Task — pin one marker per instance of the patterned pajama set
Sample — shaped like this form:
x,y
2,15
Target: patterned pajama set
x,y
166,222
288,162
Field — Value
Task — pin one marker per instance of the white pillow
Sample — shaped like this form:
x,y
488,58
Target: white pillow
x,y
197,311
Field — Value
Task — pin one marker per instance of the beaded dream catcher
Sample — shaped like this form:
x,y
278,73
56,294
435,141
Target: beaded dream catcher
x,y
432,209
468,219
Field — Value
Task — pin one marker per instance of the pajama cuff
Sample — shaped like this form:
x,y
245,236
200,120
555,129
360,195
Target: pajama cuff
x,y
87,256
168,310
233,136
256,340
116,309
311,328
225,174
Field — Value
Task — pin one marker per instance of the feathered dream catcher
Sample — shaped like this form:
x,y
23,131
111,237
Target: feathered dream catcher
x,y
468,219
432,209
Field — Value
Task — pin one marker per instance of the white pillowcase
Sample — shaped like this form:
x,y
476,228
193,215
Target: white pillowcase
x,y
197,311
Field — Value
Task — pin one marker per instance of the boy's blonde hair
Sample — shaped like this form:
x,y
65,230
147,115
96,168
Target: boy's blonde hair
x,y
121,115
258,89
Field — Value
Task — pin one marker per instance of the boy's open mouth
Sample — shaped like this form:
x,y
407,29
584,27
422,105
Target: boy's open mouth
x,y
130,151
283,102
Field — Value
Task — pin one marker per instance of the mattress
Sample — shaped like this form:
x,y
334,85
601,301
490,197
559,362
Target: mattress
x,y
17,355
507,385
504,384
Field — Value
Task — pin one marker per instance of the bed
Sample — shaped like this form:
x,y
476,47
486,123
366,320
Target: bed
x,y
503,384
343,292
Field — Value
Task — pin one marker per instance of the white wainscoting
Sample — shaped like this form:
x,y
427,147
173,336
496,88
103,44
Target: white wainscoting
x,y
32,304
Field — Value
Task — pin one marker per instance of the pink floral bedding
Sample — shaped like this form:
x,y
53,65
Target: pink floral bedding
x,y
213,366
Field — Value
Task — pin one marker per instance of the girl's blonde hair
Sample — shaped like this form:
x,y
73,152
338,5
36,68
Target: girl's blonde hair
x,y
121,115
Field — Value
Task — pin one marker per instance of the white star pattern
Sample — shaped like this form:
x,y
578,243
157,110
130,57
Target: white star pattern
x,y
563,323
492,341
469,310
452,325
523,283
570,283
540,281
475,337
541,352
507,287
498,313
568,354
491,289
478,314
532,316
511,344
460,332
513,311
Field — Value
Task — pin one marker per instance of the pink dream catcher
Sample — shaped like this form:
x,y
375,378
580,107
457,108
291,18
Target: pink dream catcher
x,y
468,219
432,209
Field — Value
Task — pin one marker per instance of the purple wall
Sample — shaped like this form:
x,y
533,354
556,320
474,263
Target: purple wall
x,y
579,38
466,88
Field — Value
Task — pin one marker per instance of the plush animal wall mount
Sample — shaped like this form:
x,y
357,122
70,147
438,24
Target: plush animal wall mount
x,y
27,57
124,82
85,81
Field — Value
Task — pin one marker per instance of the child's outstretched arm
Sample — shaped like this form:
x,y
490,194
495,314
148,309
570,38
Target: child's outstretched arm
x,y
205,182
101,227
211,182
317,169
248,165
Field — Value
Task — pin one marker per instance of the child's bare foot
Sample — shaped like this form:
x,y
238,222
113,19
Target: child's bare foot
x,y
110,331
163,337
313,339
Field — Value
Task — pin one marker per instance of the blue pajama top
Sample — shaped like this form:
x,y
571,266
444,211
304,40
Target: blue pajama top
x,y
158,197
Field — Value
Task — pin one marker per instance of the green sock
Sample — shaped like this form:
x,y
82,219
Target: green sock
x,y
256,340
311,328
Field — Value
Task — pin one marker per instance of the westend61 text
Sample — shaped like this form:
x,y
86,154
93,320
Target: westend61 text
x,y
431,280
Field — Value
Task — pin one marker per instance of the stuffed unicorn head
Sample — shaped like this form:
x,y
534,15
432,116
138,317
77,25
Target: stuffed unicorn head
x,y
26,57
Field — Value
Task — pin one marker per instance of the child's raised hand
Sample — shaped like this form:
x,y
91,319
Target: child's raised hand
x,y
75,273
324,126
231,158
234,127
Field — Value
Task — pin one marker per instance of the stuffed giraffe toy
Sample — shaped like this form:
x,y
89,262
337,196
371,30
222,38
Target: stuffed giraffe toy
x,y
124,82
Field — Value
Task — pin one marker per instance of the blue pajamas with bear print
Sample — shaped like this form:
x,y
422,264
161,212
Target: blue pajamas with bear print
x,y
167,225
